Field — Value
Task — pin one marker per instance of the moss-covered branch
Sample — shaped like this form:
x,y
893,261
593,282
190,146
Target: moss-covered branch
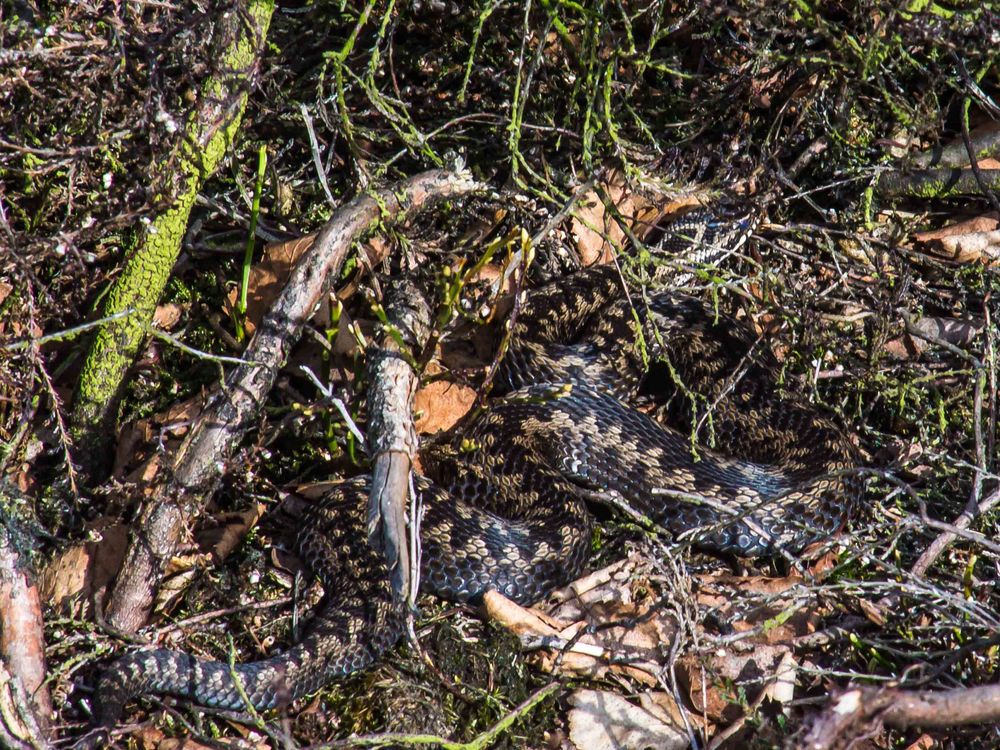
x,y
936,183
204,141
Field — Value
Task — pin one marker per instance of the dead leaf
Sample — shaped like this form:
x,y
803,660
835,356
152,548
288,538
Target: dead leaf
x,y
730,584
971,241
180,572
722,684
520,620
164,430
664,706
597,232
604,598
781,689
167,316
440,405
606,721
230,531
151,738
622,624
985,223
310,491
185,743
70,582
960,332
875,612
534,627
268,277
824,564
923,742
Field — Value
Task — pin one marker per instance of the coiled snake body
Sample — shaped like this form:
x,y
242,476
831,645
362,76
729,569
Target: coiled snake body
x,y
505,504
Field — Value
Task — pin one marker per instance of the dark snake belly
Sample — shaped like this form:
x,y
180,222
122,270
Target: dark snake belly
x,y
505,501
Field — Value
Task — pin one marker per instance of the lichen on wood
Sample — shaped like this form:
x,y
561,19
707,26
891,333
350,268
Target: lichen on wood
x,y
204,141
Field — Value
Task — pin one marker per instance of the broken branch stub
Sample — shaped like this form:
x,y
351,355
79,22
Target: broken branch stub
x,y
392,440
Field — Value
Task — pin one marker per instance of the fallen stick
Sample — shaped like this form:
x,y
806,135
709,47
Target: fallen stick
x,y
392,441
203,458
204,140
25,704
935,183
860,711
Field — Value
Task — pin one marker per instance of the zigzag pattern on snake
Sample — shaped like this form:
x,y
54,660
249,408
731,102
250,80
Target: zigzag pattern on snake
x,y
506,492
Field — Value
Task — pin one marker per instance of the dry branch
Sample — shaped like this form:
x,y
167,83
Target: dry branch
x,y
203,458
25,706
936,183
975,506
985,142
392,440
860,711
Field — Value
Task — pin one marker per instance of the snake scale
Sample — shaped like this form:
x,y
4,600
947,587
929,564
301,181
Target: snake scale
x,y
505,493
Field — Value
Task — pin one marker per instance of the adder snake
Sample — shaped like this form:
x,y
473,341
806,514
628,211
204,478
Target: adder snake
x,y
506,492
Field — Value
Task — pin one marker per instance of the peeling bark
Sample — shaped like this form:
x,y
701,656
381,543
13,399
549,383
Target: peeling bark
x,y
858,712
25,705
391,437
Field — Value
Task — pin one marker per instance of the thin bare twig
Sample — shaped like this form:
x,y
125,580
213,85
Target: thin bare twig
x,y
339,405
317,159
975,506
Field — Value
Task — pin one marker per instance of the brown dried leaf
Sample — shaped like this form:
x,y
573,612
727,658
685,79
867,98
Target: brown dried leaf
x,y
70,582
955,331
984,223
875,612
599,599
184,743
905,347
971,241
179,574
721,684
923,742
151,738
664,706
167,427
596,231
440,405
232,527
583,658
718,589
268,277
167,316
520,620
779,620
311,491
